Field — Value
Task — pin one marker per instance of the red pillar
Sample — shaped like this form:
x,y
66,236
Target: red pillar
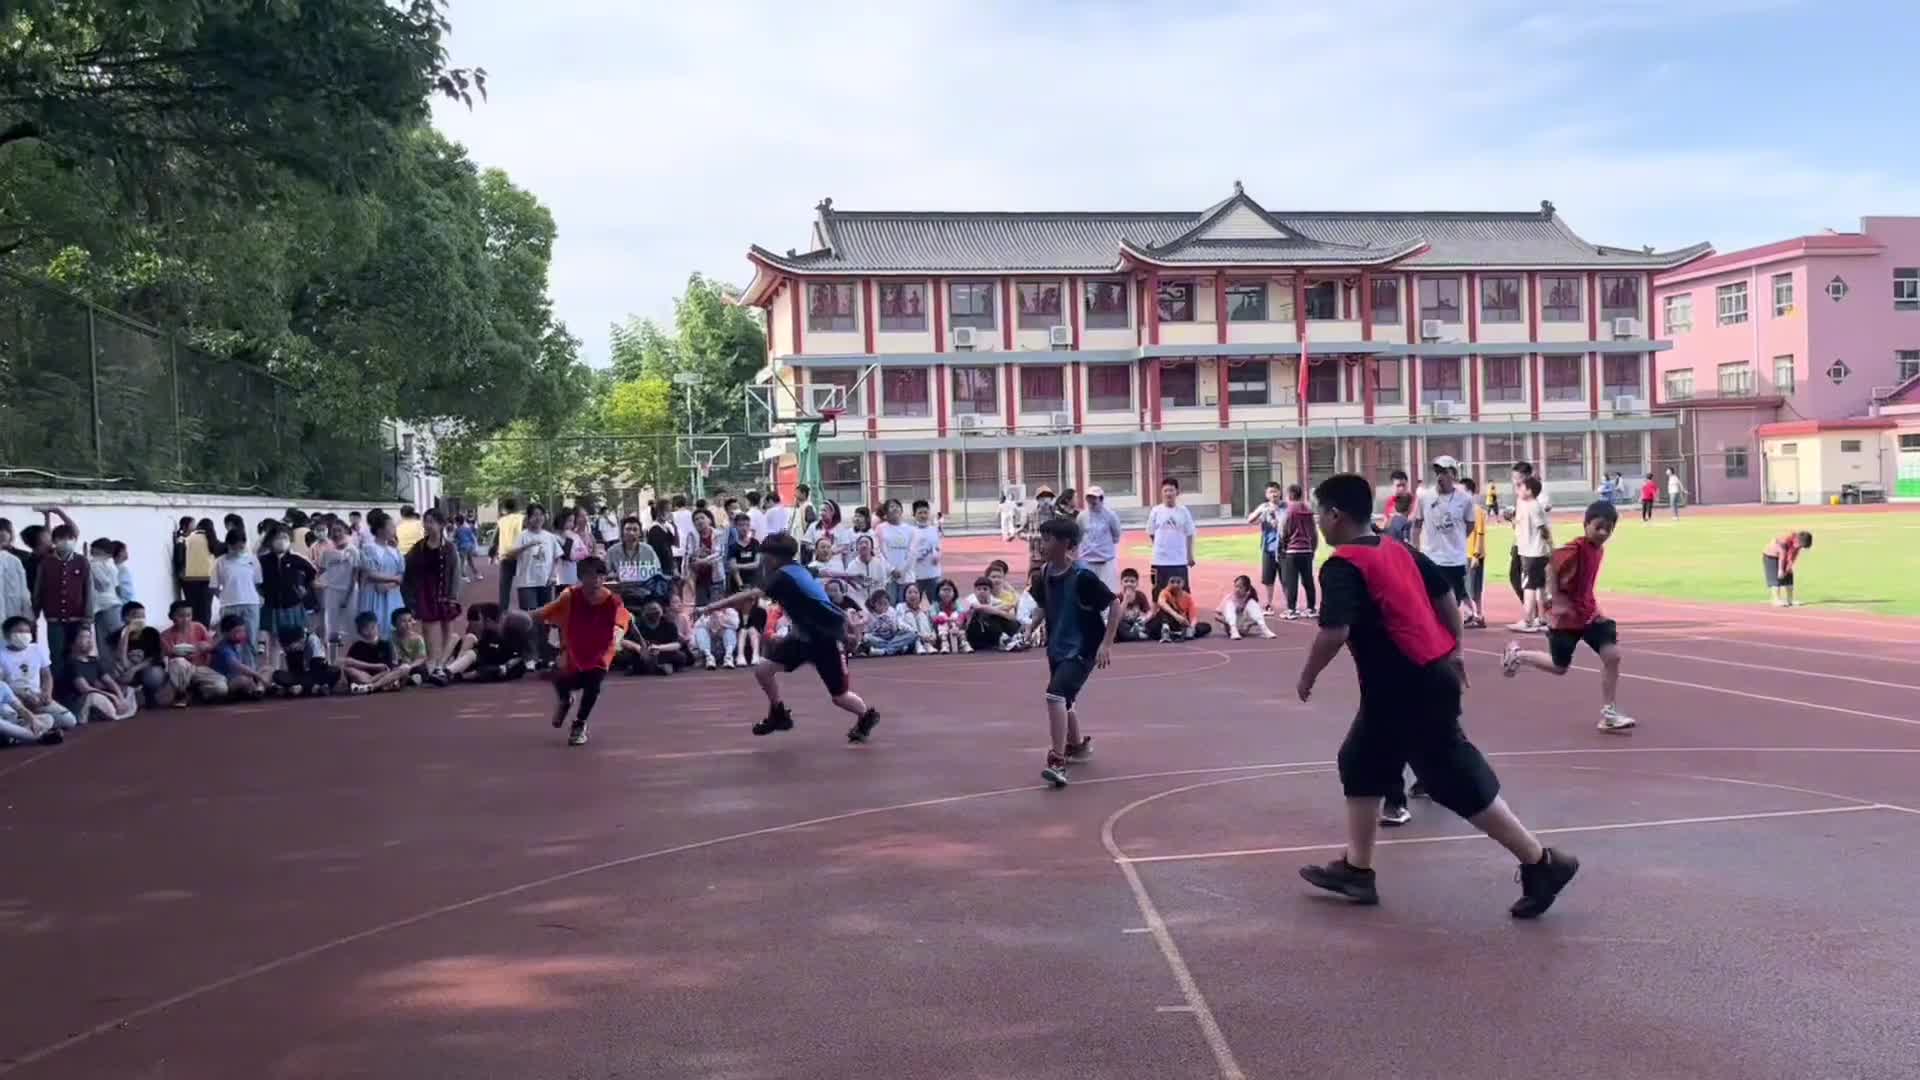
x,y
1220,308
1152,299
946,502
1369,385
1533,382
939,315
939,377
1153,389
1300,335
1473,386
1074,300
799,292
1366,306
1007,314
1593,334
1079,421
866,303
1013,406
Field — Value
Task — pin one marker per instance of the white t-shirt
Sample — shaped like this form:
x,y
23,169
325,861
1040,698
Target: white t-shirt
x,y
337,566
758,519
1172,530
1673,484
533,567
896,546
1445,521
926,549
683,528
237,578
1529,518
774,521
24,667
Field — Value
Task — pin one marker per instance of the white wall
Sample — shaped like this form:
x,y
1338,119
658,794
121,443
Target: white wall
x,y
144,521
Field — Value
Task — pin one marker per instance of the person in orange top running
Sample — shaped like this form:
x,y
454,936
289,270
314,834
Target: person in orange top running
x,y
1574,616
592,620
1779,560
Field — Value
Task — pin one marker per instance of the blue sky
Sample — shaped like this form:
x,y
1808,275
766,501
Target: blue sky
x,y
668,137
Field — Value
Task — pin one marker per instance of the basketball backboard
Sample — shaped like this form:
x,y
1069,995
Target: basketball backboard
x,y
776,406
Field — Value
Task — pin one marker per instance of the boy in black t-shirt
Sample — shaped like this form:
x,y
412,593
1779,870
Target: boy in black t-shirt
x,y
137,659
495,646
1395,612
371,664
1081,616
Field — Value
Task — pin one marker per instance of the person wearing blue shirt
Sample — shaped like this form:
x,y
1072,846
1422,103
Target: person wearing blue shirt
x,y
1082,616
818,627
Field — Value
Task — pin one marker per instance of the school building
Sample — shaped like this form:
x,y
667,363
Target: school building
x,y
974,351
1788,344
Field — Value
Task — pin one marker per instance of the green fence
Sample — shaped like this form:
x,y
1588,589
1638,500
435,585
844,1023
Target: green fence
x,y
91,398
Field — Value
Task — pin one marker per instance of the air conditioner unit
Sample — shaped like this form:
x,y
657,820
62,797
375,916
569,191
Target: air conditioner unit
x,y
1060,421
969,423
1443,410
1060,337
1626,403
962,337
1209,448
1429,329
1626,326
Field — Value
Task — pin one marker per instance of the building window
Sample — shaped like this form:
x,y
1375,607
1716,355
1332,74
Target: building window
x,y
1736,379
1043,466
1837,289
1736,464
1500,299
1849,446
830,308
1039,304
1386,300
1783,374
970,303
1323,300
1106,305
1111,467
1323,382
1906,288
845,378
1501,376
1386,382
1176,301
1502,451
1782,295
1620,452
1181,463
1620,376
1566,456
1440,378
904,392
1906,364
1179,385
1440,299
1619,296
841,478
1560,299
1247,301
1730,304
1247,382
1109,387
979,474
908,477
1388,455
1043,389
1560,378
1838,371
976,391
1790,449
903,307
1679,385
1679,313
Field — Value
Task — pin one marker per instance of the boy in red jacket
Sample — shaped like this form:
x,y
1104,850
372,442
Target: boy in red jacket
x,y
592,620
1574,616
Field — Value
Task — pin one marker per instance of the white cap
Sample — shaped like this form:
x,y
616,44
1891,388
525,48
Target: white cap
x,y
1446,461
1094,491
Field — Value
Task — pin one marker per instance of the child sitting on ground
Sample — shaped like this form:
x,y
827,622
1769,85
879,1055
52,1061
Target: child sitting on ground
x,y
188,647
887,633
950,619
410,646
87,689
915,614
19,724
716,637
495,646
1175,615
1240,611
307,671
30,674
1135,608
233,658
653,644
136,658
989,624
371,664
856,617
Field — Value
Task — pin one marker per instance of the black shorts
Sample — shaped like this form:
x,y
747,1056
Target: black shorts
x,y
1066,676
1770,565
1418,725
566,682
1457,577
791,653
1269,567
1598,634
1533,571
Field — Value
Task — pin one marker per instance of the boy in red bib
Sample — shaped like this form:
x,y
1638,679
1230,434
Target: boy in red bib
x,y
1574,616
592,620
1395,612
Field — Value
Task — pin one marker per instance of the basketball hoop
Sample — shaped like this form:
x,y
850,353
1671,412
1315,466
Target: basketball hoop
x,y
829,415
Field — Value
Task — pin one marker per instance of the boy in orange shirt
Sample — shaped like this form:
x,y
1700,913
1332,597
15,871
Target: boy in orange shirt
x,y
592,620
1574,616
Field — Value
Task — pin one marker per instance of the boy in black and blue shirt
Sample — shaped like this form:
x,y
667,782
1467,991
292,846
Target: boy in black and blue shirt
x,y
1081,616
818,628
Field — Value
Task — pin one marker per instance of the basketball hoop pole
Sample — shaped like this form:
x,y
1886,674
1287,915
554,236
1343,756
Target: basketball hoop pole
x,y
688,379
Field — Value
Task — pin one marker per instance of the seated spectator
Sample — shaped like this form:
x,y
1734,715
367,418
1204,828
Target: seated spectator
x,y
19,724
716,636
87,689
1175,615
188,647
495,647
990,624
743,554
1240,611
950,619
136,657
30,676
858,570
822,560
411,648
916,613
1135,608
752,634
372,665
307,671
887,634
653,644
635,567
856,624
234,655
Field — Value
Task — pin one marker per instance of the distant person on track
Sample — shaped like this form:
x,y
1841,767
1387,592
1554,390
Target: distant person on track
x,y
1471,611
1240,611
1533,544
1447,514
1270,515
1576,617
1779,560
1081,616
1394,611
1676,493
1170,527
1649,493
1298,539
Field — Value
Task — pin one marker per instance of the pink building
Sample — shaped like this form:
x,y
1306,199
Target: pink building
x,y
1808,329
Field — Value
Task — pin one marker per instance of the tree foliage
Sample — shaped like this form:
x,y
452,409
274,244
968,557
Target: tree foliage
x,y
722,343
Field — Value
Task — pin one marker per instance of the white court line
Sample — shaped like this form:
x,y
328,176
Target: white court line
x,y
1871,625
1850,654
1191,856
1787,670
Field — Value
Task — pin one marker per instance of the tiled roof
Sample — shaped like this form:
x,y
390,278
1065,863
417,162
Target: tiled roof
x,y
988,242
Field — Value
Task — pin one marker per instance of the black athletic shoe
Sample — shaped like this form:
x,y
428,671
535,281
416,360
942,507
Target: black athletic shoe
x,y
1541,882
1393,814
1082,750
779,718
1338,877
864,726
52,738
560,711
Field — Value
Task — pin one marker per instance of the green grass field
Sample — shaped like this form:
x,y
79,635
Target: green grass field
x,y
1867,562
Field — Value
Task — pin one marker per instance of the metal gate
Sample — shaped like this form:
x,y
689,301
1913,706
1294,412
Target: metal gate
x,y
1251,469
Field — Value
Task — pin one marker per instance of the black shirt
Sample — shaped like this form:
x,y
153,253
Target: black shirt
x,y
70,676
1385,672
660,633
372,652
1075,602
143,649
285,579
661,539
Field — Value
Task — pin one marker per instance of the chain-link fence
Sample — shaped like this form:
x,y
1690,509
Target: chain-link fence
x,y
90,398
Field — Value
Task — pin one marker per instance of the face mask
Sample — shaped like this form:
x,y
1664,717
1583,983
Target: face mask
x,y
281,543
64,547
19,641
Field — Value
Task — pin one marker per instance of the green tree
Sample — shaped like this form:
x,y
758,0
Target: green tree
x,y
722,343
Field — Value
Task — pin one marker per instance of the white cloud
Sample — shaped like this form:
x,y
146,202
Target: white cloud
x,y
666,138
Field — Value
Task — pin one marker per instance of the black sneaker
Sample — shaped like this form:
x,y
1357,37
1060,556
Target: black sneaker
x,y
52,738
1394,814
864,726
1056,771
560,711
1082,750
1541,882
1339,877
577,736
1419,790
779,718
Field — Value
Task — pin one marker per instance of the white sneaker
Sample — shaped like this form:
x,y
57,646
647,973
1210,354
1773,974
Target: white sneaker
x,y
731,663
1510,660
1266,631
1235,636
1611,720
1311,613
1292,614
1524,626
710,664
